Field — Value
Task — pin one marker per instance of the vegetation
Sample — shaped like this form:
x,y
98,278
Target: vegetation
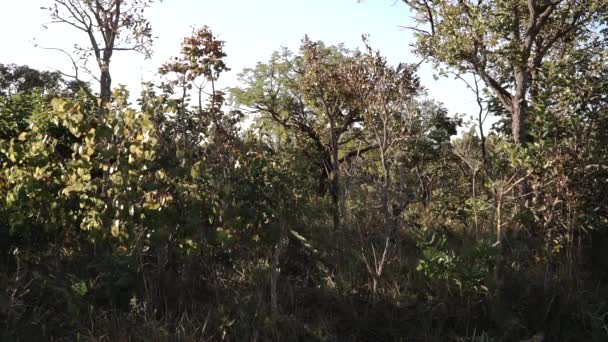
x,y
348,209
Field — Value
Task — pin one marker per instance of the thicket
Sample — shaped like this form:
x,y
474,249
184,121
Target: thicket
x,y
346,209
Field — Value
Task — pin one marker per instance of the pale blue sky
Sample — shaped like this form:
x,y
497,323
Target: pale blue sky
x,y
251,29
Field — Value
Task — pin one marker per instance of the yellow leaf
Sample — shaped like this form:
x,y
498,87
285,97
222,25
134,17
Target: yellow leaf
x,y
58,104
116,228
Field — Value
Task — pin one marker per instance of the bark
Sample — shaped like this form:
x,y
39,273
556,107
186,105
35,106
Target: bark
x,y
335,177
105,84
519,106
499,219
275,267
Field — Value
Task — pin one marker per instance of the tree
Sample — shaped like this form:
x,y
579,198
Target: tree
x,y
202,56
505,42
16,79
110,26
313,95
387,94
24,94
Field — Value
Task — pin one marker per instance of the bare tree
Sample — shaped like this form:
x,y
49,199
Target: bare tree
x,y
110,26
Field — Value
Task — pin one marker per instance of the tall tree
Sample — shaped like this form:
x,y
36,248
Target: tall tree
x,y
315,95
110,26
504,42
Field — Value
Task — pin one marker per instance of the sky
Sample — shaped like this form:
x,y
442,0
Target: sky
x,y
252,31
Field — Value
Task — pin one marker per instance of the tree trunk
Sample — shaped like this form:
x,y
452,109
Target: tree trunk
x,y
335,180
518,121
105,81
389,217
519,107
519,114
335,196
275,267
105,91
499,219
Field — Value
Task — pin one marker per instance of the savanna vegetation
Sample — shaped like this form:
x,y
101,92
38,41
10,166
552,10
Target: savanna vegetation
x,y
324,198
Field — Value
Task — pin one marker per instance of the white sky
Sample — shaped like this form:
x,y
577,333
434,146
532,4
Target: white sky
x,y
251,29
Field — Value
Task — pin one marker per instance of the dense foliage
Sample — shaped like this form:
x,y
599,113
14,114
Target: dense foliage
x,y
325,198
